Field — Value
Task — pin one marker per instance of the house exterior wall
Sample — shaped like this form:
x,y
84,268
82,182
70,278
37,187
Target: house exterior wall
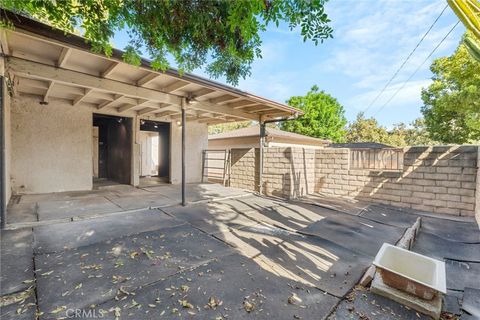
x,y
234,143
52,147
254,142
196,142
442,179
7,135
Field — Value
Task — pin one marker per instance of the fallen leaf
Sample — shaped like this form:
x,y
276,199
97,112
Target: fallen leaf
x,y
186,304
58,309
248,306
294,299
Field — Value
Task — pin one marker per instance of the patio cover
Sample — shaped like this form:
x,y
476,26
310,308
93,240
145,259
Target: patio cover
x,y
47,62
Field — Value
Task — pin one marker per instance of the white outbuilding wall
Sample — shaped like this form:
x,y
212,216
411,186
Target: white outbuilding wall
x,y
51,147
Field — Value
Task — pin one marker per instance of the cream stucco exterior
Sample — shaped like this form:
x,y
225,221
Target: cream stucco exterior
x,y
7,126
254,142
52,147
57,83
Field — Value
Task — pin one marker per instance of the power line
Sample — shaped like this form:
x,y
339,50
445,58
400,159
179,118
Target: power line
x,y
405,61
416,70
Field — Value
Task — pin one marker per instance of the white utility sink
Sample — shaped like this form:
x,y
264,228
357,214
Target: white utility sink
x,y
411,272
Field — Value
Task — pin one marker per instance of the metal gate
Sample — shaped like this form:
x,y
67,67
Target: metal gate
x,y
216,166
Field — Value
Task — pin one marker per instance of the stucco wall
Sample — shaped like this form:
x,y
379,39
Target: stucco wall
x,y
196,142
254,142
234,143
51,146
7,135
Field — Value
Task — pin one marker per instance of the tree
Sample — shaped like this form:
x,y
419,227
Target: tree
x,y
324,116
221,35
225,127
366,130
452,102
418,135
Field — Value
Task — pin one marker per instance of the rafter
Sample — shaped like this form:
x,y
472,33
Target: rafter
x,y
35,70
164,113
110,69
201,92
223,99
256,109
80,98
222,109
107,104
127,106
62,60
146,79
49,90
241,104
175,86
146,110
4,42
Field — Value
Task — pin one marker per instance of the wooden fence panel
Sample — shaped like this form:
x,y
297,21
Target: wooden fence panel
x,y
376,159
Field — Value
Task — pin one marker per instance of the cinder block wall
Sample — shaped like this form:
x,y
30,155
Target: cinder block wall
x,y
244,169
287,172
441,179
436,179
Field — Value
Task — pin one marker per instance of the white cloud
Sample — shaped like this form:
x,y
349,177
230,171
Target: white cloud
x,y
375,39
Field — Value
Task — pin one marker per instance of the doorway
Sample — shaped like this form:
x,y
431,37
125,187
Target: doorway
x,y
112,149
154,139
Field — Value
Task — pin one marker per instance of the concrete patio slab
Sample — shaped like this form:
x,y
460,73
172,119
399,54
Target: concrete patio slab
x,y
229,288
358,234
16,271
22,212
71,235
61,196
197,192
449,229
467,232
439,248
362,304
141,202
93,274
51,210
471,302
209,218
460,274
121,190
451,302
291,217
250,203
21,306
387,215
309,260
345,205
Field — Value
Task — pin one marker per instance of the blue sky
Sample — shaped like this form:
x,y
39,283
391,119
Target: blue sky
x,y
371,40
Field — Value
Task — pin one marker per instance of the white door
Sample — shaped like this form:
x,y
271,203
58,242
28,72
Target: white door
x,y
149,153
